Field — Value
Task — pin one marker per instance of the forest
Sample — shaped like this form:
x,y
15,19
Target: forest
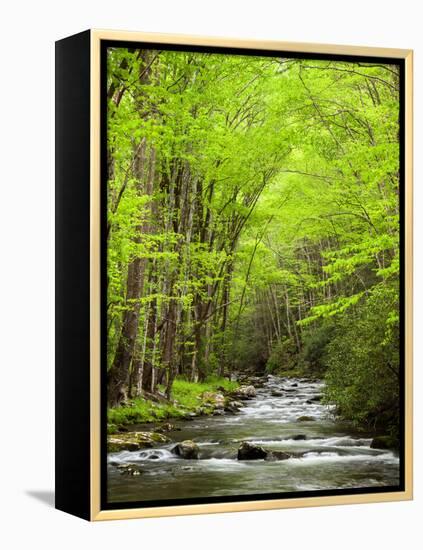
x,y
253,226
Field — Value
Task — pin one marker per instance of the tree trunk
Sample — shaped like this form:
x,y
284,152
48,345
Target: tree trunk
x,y
119,372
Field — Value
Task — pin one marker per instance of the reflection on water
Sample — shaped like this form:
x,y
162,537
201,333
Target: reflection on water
x,y
334,457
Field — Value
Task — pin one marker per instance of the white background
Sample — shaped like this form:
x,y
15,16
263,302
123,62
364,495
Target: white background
x,y
28,32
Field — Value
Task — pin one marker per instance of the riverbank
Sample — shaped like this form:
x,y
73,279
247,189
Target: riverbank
x,y
189,399
214,397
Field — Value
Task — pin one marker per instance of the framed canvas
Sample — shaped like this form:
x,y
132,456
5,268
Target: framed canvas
x,y
233,275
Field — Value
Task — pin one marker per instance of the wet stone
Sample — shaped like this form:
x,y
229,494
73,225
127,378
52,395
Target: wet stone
x,y
186,449
129,469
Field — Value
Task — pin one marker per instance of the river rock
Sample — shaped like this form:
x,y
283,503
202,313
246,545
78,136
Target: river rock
x,y
186,449
129,469
306,418
167,427
277,455
298,437
204,411
133,441
215,399
249,451
244,392
232,406
257,381
316,399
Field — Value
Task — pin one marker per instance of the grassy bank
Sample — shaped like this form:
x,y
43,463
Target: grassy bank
x,y
188,398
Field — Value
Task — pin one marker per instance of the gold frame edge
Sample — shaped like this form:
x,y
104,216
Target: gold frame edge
x,y
96,514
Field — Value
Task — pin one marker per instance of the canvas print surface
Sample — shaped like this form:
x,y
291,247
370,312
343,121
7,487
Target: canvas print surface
x,y
253,275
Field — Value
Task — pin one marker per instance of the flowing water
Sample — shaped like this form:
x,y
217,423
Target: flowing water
x,y
335,457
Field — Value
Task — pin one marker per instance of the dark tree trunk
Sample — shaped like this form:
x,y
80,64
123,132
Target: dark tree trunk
x,y
119,372
118,375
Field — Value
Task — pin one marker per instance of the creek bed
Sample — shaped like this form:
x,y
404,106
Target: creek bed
x,y
335,456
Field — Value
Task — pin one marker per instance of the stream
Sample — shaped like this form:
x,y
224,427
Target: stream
x,y
335,456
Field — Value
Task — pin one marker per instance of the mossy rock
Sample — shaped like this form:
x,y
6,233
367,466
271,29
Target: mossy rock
x,y
158,437
115,445
243,392
213,399
133,441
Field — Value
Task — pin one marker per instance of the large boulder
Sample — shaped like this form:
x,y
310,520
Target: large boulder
x,y
133,441
186,449
249,451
